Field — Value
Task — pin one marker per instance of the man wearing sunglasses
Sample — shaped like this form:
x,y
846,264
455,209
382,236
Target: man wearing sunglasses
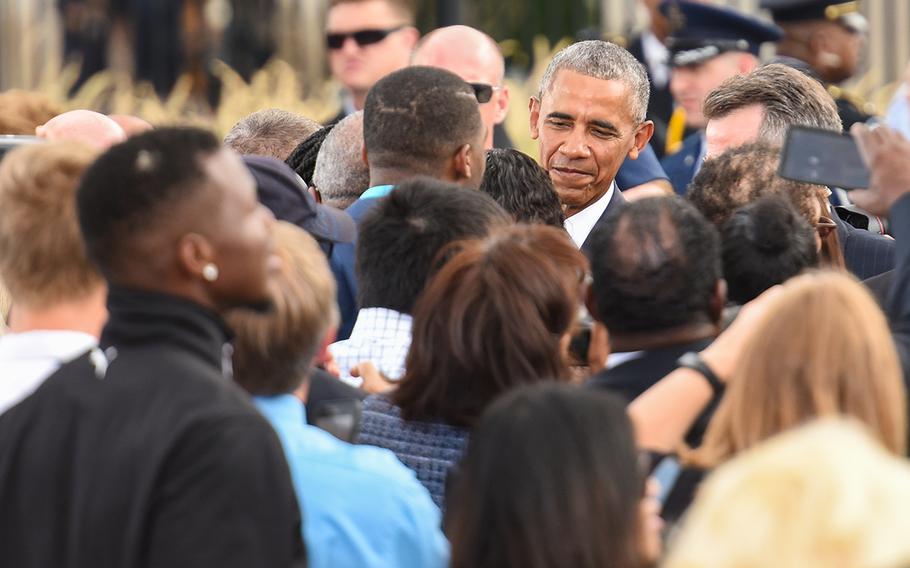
x,y
475,57
366,40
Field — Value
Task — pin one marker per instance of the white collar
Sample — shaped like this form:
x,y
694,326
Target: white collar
x,y
580,225
617,359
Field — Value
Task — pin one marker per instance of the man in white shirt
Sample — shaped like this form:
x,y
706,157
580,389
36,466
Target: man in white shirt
x,y
589,115
58,298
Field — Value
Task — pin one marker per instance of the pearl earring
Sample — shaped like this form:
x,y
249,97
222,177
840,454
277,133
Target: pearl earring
x,y
210,272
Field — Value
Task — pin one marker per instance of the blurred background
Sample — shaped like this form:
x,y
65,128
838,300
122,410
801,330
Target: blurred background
x,y
215,61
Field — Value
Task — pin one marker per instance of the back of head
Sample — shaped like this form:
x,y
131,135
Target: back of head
x,y
271,132
656,265
416,118
132,189
84,126
522,187
401,237
341,175
823,348
550,478
740,176
764,244
827,494
273,351
42,257
21,112
605,61
787,96
493,318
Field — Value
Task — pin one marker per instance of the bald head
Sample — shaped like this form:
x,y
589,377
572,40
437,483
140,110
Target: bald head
x,y
88,127
132,125
476,58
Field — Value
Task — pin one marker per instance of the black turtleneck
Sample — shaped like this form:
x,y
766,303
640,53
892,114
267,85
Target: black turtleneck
x,y
159,461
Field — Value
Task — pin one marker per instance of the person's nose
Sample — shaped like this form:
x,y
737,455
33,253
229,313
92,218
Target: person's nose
x,y
576,145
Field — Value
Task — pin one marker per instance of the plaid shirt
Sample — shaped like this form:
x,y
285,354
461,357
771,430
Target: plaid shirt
x,y
381,336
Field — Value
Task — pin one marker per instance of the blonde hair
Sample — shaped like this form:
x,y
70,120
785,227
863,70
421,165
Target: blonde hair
x,y
826,495
274,350
42,254
822,349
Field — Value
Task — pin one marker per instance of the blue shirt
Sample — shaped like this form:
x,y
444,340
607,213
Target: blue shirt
x,y
377,191
361,507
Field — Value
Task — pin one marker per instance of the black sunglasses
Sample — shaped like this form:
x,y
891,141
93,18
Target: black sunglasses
x,y
483,92
362,37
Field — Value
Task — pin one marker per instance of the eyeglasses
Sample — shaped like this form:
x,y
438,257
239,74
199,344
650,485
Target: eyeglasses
x,y
825,226
361,37
483,92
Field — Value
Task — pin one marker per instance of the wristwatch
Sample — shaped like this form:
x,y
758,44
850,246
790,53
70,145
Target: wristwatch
x,y
693,360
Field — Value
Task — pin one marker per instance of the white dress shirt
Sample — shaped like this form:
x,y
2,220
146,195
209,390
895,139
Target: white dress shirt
x,y
580,225
381,336
30,357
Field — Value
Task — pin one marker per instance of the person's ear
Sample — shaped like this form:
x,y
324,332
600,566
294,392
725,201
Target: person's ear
x,y
314,192
364,156
534,110
641,137
194,253
502,104
410,35
718,302
462,166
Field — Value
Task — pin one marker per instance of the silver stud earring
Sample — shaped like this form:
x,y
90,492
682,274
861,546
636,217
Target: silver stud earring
x,y
210,272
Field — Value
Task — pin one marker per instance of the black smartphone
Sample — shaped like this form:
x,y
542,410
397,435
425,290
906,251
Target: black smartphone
x,y
823,157
10,141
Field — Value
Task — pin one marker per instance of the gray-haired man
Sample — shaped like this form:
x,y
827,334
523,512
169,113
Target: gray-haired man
x,y
589,115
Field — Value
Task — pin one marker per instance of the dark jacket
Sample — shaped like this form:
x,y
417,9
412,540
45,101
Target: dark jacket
x,y
682,165
616,202
866,254
342,263
159,461
633,377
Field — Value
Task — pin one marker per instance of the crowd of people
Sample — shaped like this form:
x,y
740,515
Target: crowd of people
x,y
392,340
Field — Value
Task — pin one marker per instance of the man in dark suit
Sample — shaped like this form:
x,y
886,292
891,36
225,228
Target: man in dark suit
x,y
761,106
589,115
708,45
657,289
824,37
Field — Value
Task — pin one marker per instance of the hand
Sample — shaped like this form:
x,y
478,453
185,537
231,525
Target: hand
x,y
887,154
723,353
373,381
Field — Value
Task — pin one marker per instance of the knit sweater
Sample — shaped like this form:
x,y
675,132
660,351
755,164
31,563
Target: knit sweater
x,y
428,448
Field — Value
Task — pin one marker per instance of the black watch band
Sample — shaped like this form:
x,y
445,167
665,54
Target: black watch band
x,y
693,360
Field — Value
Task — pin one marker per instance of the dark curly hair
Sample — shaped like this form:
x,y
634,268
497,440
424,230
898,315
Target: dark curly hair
x,y
741,175
522,188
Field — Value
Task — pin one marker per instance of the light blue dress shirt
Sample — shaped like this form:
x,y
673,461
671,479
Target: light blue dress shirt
x,y
361,507
377,191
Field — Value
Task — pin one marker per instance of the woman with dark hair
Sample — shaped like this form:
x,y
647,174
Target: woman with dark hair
x,y
551,479
497,315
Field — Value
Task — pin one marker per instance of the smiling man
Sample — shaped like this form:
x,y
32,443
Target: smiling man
x,y
589,115
367,40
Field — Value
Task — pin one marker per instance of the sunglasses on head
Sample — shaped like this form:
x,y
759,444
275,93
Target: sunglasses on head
x,y
361,37
483,92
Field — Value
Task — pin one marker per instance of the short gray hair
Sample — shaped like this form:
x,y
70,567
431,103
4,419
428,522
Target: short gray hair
x,y
605,61
271,132
341,175
787,97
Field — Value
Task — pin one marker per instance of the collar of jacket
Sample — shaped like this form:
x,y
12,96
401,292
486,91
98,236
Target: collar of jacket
x,y
143,318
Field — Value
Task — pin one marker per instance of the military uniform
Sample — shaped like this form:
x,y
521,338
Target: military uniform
x,y
702,32
850,107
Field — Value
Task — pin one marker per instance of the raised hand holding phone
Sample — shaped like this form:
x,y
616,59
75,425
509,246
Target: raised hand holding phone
x,y
887,155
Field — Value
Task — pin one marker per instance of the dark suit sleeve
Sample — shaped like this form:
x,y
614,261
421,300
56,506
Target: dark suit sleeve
x,y
636,172
225,499
899,297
